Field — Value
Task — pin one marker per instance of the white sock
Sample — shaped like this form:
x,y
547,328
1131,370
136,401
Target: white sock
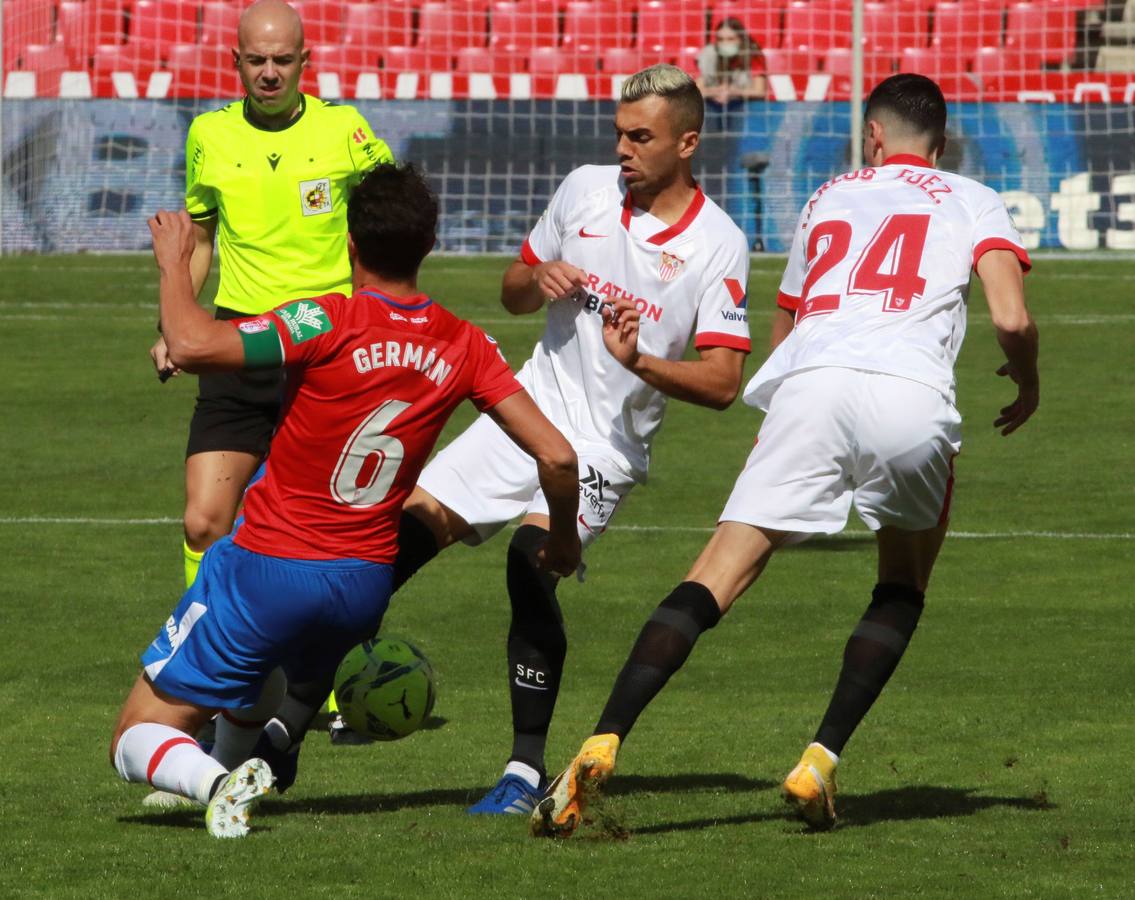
x,y
239,729
525,771
833,757
168,759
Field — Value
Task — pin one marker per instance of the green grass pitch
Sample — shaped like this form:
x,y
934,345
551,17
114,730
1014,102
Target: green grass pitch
x,y
995,765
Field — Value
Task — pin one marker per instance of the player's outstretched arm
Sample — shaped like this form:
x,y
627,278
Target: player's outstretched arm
x,y
556,463
194,340
1001,277
525,288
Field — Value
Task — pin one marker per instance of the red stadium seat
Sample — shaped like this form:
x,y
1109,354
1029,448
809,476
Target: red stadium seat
x,y
405,59
111,58
520,27
1044,28
889,27
547,64
787,61
485,62
25,22
85,24
961,28
592,26
668,27
156,25
761,20
817,25
992,65
344,60
322,20
838,64
219,22
621,61
375,26
203,71
49,62
943,68
446,27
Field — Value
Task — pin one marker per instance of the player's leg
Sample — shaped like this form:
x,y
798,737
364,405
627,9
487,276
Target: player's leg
x,y
229,435
907,437
731,561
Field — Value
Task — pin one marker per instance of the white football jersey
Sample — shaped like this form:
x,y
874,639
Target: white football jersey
x,y
879,273
686,278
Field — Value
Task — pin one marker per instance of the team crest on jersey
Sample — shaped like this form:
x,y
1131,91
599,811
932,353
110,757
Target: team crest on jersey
x,y
670,266
304,319
254,326
315,196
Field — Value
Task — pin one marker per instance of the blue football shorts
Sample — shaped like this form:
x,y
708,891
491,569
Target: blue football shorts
x,y
247,614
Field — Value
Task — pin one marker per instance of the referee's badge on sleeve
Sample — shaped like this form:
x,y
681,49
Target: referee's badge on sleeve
x,y
315,196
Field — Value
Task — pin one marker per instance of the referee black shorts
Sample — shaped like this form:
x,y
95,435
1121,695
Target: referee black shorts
x,y
236,411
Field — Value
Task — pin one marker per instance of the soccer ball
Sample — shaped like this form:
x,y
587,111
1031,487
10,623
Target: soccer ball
x,y
385,689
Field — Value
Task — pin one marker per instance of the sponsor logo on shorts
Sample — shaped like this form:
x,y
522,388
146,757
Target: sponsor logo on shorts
x,y
254,326
315,196
304,319
591,488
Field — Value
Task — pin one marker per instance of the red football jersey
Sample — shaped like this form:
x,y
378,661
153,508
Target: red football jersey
x,y
372,380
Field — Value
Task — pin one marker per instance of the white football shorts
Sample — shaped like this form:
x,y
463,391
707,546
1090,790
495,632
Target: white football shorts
x,y
489,481
834,436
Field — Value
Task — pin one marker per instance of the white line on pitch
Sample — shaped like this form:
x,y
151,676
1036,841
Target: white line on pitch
x,y
696,529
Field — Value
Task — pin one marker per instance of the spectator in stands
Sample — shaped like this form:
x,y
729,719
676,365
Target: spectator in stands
x,y
732,68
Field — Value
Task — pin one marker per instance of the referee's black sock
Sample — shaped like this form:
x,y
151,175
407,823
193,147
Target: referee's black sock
x,y
869,659
537,646
416,547
662,647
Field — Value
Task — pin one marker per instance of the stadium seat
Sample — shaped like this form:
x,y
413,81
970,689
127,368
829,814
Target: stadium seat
x,y
621,60
779,61
218,23
992,65
25,22
344,60
943,68
889,27
446,27
49,62
548,64
203,70
125,58
1043,28
961,28
761,20
85,24
593,26
322,20
520,27
483,61
665,28
817,26
838,64
375,26
157,25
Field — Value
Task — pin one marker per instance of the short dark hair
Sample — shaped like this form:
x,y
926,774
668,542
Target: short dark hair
x,y
392,218
916,101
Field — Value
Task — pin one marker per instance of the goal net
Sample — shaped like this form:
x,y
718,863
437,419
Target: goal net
x,y
499,100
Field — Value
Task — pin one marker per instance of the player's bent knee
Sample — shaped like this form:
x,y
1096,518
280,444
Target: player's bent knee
x,y
204,527
446,525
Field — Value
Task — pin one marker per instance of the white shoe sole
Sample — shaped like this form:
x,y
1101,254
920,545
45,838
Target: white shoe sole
x,y
167,800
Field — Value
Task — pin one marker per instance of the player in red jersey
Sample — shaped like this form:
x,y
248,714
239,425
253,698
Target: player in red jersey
x,y
372,379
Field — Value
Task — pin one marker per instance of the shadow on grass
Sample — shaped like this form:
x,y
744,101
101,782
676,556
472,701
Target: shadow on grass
x,y
893,805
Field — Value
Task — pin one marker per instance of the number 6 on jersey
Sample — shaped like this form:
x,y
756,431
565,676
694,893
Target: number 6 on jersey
x,y
366,441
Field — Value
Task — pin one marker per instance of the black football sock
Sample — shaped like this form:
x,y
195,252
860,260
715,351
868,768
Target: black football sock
x,y
416,547
870,657
537,647
662,647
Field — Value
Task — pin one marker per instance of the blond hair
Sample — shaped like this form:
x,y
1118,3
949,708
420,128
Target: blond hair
x,y
671,83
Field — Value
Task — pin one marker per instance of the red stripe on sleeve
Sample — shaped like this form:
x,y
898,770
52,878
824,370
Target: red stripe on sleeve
x,y
708,339
529,255
1002,244
787,301
160,754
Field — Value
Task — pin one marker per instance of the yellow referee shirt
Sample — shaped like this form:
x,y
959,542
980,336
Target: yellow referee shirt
x,y
280,198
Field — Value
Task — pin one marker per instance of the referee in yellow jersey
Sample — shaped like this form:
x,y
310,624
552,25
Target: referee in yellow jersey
x,y
268,178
